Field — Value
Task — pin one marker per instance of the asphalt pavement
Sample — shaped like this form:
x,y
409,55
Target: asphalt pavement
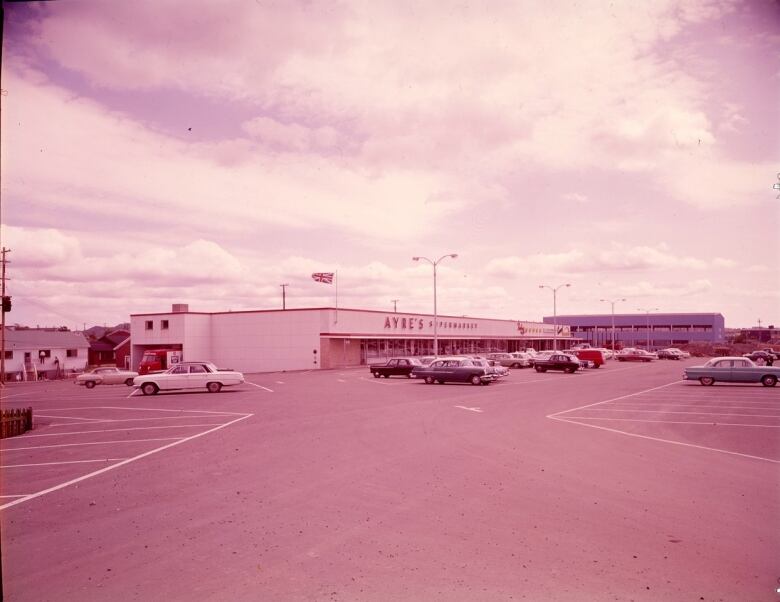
x,y
623,483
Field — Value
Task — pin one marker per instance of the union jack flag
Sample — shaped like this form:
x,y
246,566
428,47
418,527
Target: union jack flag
x,y
326,277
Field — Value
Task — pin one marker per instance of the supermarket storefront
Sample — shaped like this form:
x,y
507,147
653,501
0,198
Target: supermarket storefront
x,y
296,339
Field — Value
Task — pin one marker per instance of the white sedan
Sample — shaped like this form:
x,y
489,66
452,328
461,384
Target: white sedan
x,y
107,375
188,375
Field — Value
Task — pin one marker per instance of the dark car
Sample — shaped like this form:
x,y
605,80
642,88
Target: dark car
x,y
453,369
761,357
669,354
558,361
399,366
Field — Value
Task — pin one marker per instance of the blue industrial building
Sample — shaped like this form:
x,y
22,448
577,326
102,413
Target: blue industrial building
x,y
634,330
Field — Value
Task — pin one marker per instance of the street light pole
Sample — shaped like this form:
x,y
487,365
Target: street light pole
x,y
395,306
612,301
284,295
554,289
647,323
435,309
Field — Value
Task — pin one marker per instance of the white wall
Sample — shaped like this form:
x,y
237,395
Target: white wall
x,y
266,341
16,364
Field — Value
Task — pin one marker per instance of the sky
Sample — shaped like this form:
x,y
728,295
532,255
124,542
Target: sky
x,y
206,152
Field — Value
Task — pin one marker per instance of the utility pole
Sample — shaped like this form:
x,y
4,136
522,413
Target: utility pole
x,y
284,295
3,260
395,306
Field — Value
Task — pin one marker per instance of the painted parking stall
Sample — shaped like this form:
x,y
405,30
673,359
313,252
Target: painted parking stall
x,y
73,444
739,419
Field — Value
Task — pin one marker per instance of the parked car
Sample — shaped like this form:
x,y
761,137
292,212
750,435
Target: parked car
x,y
669,354
635,355
510,360
579,346
684,354
594,356
188,375
558,361
106,375
494,367
761,357
607,353
733,369
399,366
453,369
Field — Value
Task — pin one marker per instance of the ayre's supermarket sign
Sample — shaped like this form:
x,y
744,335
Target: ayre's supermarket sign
x,y
449,325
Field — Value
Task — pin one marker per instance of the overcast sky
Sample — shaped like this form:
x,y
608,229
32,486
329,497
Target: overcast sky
x,y
205,152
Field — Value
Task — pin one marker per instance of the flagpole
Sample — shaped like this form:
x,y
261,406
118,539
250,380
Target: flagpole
x,y
336,278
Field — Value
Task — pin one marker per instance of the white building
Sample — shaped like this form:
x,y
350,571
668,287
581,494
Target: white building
x,y
299,339
32,352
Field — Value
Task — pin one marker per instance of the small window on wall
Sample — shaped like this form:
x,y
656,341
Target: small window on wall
x,y
44,353
72,353
9,355
148,325
164,324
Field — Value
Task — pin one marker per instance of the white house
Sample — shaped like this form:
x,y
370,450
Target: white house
x,y
32,352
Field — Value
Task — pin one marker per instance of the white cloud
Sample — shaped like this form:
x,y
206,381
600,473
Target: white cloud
x,y
575,196
40,247
616,257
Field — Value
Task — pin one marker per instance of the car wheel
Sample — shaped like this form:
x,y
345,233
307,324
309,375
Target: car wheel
x,y
538,368
129,382
90,384
769,380
597,365
760,361
149,389
571,370
386,375
476,380
707,381
214,387
376,374
409,375
440,381
429,380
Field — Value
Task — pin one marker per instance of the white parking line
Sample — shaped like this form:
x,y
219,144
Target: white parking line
x,y
661,440
674,412
259,386
130,420
122,430
118,464
68,462
10,449
693,405
18,395
598,403
469,409
708,423
65,417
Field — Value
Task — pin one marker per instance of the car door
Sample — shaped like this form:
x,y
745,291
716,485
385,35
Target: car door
x,y
743,371
720,370
198,377
110,376
402,369
175,379
392,367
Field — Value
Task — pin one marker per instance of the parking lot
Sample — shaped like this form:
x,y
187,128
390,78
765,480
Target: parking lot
x,y
622,483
